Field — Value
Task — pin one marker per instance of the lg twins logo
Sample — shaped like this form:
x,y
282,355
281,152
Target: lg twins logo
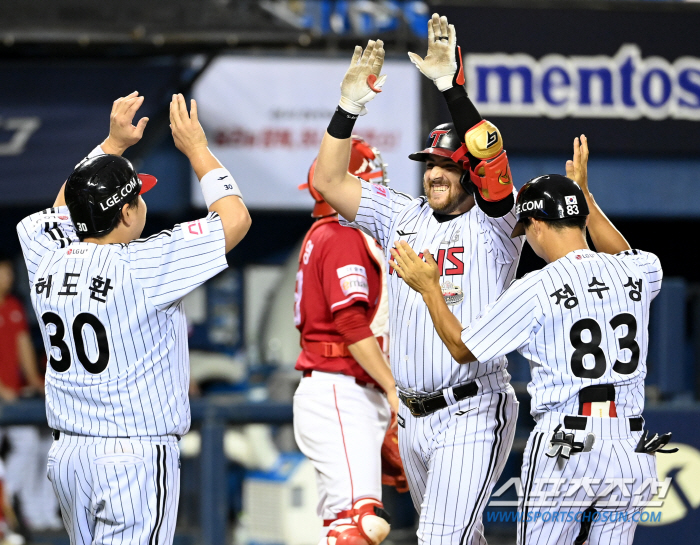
x,y
622,86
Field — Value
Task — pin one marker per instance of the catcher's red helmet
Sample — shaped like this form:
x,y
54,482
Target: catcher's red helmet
x,y
365,162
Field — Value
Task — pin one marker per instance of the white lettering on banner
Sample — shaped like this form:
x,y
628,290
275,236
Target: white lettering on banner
x,y
23,128
195,229
622,86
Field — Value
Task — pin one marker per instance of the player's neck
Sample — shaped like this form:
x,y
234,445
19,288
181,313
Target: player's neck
x,y
563,243
119,235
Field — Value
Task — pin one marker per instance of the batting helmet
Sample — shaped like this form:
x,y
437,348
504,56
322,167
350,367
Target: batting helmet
x,y
98,188
444,141
365,163
551,197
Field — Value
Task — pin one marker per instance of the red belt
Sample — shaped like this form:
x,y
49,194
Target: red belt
x,y
329,349
309,372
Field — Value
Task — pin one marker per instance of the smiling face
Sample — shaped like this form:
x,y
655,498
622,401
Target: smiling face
x,y
441,185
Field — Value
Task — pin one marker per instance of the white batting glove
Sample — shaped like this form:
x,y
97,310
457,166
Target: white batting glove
x,y
362,81
440,64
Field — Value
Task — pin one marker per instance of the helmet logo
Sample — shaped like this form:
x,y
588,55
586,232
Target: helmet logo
x,y
435,135
529,205
571,199
492,139
117,197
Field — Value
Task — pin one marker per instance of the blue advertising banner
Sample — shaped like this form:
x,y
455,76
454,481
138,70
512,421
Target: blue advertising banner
x,y
53,114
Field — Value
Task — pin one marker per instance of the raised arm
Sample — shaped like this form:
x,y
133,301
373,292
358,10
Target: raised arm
x,y
122,133
220,190
606,238
361,84
424,277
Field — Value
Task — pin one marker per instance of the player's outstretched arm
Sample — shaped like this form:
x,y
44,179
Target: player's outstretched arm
x,y
122,132
361,84
220,190
424,277
606,238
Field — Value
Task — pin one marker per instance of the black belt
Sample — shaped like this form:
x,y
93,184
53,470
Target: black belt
x,y
424,405
579,423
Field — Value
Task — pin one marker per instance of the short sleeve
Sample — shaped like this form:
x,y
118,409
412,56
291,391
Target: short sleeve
x,y
506,324
345,269
650,266
498,231
378,207
45,231
172,263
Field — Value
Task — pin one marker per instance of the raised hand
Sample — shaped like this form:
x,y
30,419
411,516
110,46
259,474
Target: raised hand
x,y
122,132
422,276
577,169
187,131
440,64
362,81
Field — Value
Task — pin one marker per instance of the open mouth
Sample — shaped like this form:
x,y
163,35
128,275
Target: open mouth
x,y
439,188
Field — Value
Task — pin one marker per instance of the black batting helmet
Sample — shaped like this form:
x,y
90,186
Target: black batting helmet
x,y
98,188
444,141
550,197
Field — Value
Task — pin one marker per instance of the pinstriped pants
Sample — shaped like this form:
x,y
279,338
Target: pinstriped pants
x,y
612,459
116,491
453,458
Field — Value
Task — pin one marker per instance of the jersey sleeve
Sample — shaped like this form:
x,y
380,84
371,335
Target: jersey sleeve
x,y
345,269
506,324
45,231
378,207
498,231
650,266
172,263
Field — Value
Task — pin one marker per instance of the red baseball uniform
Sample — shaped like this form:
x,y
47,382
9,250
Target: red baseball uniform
x,y
12,323
336,270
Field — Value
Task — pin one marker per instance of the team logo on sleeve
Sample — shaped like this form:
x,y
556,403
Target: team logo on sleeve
x,y
353,280
195,229
379,190
452,294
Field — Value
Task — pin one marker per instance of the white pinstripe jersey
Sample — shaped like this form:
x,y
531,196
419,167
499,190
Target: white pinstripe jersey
x,y
581,321
476,255
114,327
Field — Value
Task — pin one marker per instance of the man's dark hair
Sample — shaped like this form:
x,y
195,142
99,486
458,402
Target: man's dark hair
x,y
578,222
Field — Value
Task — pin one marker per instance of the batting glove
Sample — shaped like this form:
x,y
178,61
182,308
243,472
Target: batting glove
x,y
362,81
441,63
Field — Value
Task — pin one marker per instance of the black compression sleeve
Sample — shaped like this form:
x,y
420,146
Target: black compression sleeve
x,y
341,124
464,113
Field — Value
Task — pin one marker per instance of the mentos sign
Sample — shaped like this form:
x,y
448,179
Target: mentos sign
x,y
623,86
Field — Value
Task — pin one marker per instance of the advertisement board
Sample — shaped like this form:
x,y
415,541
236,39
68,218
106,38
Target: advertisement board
x,y
265,118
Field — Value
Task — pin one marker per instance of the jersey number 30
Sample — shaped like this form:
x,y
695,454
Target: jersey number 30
x,y
592,347
56,340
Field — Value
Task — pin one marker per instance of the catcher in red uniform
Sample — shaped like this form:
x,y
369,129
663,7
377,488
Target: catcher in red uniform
x,y
345,404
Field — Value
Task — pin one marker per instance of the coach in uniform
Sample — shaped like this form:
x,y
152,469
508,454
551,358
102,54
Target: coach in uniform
x,y
110,307
344,403
582,322
456,423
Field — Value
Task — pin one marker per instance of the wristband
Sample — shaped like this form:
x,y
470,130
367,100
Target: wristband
x,y
443,83
217,184
342,124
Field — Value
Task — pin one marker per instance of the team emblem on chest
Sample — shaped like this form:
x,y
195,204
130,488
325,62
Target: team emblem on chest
x,y
452,294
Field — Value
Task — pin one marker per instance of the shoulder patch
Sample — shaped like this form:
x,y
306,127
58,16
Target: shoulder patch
x,y
195,229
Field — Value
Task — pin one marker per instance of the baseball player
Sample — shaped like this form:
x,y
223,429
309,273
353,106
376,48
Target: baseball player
x,y
456,423
582,321
110,304
345,400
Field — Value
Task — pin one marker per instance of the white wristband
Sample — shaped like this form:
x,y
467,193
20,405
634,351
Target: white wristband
x,y
217,184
